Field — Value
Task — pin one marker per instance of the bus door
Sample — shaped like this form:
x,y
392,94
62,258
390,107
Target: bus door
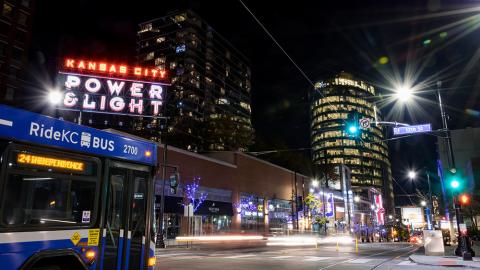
x,y
125,217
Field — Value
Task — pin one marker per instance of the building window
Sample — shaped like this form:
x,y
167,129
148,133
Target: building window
x,y
180,48
160,39
173,65
150,56
7,10
145,28
159,61
22,18
180,18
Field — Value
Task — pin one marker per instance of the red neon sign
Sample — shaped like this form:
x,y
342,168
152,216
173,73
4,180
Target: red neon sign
x,y
113,69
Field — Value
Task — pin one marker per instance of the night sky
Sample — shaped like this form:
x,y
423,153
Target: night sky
x,y
323,37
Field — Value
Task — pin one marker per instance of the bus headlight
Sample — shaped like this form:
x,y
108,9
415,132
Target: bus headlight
x,y
90,255
152,261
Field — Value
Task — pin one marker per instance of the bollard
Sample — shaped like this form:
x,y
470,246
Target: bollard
x,y
356,245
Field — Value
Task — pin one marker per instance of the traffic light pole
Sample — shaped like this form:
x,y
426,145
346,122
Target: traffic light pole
x,y
463,248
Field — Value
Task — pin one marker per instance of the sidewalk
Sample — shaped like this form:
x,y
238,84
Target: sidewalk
x,y
448,260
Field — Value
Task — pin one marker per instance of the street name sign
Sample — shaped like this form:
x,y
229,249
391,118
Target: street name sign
x,y
412,129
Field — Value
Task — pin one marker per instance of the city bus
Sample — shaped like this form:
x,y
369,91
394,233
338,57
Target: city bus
x,y
73,197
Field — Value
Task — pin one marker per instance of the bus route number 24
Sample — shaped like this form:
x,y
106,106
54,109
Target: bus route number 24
x,y
128,149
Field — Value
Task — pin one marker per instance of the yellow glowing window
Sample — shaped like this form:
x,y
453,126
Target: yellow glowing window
x,y
44,161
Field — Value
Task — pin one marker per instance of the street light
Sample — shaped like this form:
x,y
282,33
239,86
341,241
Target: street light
x,y
423,203
356,198
412,175
54,97
315,183
403,93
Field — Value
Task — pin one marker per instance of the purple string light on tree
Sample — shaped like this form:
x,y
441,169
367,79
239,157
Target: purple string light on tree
x,y
191,195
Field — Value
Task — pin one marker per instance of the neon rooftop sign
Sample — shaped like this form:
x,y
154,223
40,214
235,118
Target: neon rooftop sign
x,y
113,69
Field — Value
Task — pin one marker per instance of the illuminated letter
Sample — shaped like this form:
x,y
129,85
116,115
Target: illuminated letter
x,y
145,72
112,69
72,81
137,71
155,91
81,65
102,67
138,106
92,65
136,90
156,104
123,69
70,99
69,63
96,85
154,72
117,104
162,73
103,101
86,104
115,87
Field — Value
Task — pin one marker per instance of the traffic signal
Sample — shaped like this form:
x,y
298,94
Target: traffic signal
x,y
352,127
454,180
464,199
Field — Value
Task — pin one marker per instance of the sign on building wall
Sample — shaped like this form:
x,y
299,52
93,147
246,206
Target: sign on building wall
x,y
102,87
413,216
329,210
379,210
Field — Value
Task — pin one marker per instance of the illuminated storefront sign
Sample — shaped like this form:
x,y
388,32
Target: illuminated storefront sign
x,y
329,212
112,89
50,162
379,210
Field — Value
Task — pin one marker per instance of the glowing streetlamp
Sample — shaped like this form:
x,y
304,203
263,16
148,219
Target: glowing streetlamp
x,y
403,93
315,183
423,203
412,174
356,199
54,97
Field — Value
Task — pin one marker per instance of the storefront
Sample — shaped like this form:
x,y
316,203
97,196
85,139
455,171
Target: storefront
x,y
252,214
279,215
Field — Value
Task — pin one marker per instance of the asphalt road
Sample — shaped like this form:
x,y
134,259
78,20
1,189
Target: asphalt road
x,y
370,256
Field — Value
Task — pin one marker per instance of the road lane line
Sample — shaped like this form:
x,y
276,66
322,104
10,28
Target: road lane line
x,y
315,259
281,257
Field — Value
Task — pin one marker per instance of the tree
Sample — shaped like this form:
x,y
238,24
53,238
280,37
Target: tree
x,y
191,194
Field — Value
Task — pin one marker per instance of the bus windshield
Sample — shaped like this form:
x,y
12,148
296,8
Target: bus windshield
x,y
39,190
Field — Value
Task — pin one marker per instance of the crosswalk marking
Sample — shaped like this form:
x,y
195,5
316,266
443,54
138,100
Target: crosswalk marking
x,y
281,257
360,261
240,256
314,259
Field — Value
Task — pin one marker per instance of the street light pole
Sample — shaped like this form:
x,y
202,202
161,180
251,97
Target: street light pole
x,y
448,139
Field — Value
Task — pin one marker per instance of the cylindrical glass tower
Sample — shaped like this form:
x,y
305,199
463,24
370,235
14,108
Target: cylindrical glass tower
x,y
332,101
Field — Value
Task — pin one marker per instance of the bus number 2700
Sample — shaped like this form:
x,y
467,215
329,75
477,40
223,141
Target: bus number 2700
x,y
128,149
